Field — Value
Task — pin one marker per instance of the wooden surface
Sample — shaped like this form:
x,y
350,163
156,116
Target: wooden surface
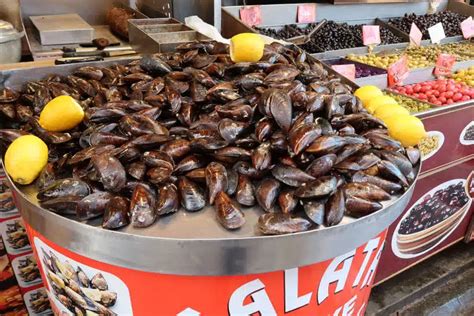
x,y
29,64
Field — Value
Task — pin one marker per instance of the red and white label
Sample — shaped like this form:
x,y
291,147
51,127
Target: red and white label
x,y
415,35
347,71
338,286
444,65
307,13
251,15
467,28
371,34
398,71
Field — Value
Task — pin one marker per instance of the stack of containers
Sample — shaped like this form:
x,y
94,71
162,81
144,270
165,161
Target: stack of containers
x,y
21,287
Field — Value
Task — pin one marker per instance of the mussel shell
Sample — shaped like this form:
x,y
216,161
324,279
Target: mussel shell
x,y
93,205
191,195
315,211
245,193
357,207
111,172
142,207
227,213
320,187
216,180
116,213
287,201
65,187
321,166
168,200
366,191
280,223
267,193
335,208
290,175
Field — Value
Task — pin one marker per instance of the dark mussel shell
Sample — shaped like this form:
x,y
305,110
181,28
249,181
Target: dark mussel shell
x,y
142,207
168,200
318,188
388,186
93,205
111,172
280,223
321,166
366,191
116,213
65,205
245,193
262,157
267,193
315,211
137,170
357,207
191,195
232,181
228,214
291,176
65,187
335,208
287,201
216,180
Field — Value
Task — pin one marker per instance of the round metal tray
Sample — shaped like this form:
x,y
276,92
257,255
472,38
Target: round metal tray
x,y
195,244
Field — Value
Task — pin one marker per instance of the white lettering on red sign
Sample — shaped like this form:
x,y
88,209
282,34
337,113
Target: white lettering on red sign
x,y
371,273
332,274
292,301
347,309
260,301
337,272
368,250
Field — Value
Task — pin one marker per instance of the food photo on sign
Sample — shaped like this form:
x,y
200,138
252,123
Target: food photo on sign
x,y
75,288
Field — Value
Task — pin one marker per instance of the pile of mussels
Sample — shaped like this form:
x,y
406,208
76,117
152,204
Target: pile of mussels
x,y
192,128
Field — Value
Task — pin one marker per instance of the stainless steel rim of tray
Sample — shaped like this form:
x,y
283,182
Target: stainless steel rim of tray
x,y
227,253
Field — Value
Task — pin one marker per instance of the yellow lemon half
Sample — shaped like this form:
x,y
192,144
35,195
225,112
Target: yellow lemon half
x,y
385,111
246,47
25,158
407,129
380,100
61,114
366,93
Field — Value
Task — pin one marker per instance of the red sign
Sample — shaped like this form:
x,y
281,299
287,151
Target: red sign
x,y
371,34
347,71
307,13
398,71
415,35
467,28
338,286
444,65
251,15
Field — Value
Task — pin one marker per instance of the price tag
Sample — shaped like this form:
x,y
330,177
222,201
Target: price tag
x,y
444,65
307,13
348,71
251,15
371,34
398,71
467,28
436,33
415,35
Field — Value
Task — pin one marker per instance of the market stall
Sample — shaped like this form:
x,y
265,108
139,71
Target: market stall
x,y
269,173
